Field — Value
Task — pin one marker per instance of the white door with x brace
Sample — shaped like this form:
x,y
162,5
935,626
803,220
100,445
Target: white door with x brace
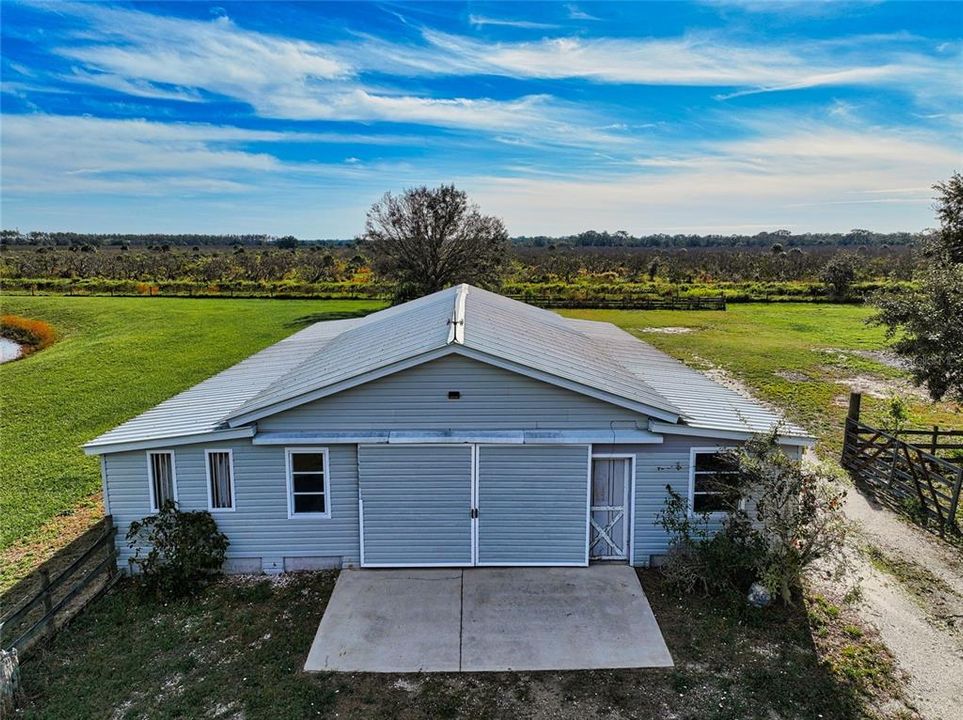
x,y
609,520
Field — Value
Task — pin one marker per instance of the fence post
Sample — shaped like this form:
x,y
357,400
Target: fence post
x,y
955,501
933,442
46,600
852,417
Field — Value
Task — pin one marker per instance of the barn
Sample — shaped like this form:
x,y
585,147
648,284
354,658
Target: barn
x,y
460,429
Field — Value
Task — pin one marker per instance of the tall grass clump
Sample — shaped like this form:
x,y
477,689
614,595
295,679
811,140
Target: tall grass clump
x,y
33,335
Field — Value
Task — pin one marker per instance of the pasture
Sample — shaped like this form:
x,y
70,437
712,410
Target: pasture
x,y
116,357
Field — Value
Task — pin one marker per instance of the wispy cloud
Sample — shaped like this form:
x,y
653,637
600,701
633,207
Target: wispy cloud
x,y
172,58
575,13
482,21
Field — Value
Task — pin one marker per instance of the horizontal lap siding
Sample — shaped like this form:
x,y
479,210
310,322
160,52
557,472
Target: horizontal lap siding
x,y
656,466
417,399
416,504
259,526
532,504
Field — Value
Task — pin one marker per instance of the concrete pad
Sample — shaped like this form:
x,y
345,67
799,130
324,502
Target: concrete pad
x,y
390,621
558,619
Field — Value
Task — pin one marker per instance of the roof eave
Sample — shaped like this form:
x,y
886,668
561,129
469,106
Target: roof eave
x,y
94,447
793,439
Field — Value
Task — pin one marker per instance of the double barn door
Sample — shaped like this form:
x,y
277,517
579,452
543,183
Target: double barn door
x,y
462,505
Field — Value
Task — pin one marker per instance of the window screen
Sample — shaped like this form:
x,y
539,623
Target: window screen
x,y
710,477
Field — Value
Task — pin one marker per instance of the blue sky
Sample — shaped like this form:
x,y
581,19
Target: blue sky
x,y
650,117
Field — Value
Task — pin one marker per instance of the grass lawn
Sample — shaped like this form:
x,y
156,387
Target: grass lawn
x,y
801,358
237,651
115,358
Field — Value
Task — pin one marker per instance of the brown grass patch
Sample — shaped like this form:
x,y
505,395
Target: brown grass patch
x,y
33,335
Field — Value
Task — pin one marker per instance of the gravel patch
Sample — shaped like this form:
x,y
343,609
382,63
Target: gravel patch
x,y
666,330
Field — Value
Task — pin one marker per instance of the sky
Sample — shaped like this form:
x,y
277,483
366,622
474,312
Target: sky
x,y
293,118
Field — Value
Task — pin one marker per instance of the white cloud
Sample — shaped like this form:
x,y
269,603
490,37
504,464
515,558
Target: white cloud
x,y
482,21
574,13
799,175
173,58
708,60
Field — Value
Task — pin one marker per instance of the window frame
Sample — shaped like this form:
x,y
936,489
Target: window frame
x,y
207,473
152,501
693,452
289,474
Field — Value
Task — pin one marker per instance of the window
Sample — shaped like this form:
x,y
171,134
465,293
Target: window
x,y
710,474
308,483
163,484
220,479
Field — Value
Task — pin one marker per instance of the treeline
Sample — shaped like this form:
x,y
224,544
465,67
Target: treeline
x,y
529,265
588,239
784,238
67,239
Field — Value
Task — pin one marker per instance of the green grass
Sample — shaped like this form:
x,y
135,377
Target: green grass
x,y
237,651
115,357
791,355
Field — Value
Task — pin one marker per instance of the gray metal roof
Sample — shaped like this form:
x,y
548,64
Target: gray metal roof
x,y
704,403
592,357
201,409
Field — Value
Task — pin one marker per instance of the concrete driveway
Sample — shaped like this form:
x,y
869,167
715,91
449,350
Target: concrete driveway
x,y
488,619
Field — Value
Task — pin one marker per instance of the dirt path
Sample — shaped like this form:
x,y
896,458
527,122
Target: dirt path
x,y
912,590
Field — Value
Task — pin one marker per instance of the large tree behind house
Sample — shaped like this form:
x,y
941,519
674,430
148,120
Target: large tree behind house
x,y
427,239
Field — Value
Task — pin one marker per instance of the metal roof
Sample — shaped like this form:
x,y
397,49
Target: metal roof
x,y
466,320
201,409
327,357
704,403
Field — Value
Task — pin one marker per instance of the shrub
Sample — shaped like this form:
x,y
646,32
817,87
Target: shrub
x,y
795,519
32,334
184,550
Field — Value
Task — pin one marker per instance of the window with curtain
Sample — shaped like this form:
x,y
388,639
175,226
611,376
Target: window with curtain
x,y
160,468
220,479
307,481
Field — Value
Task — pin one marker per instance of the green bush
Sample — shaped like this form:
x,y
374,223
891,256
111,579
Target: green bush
x,y
183,550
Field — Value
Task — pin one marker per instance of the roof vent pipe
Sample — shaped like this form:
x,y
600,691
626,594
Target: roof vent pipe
x,y
456,324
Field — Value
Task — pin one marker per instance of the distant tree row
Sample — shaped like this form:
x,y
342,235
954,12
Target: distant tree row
x,y
38,237
779,239
782,238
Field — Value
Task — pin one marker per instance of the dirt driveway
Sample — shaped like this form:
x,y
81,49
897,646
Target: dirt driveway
x,y
912,591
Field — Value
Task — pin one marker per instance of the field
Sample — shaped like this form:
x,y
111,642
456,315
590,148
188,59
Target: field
x,y
237,651
113,359
119,356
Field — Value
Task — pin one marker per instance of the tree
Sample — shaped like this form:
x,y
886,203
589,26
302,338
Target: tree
x,y
927,323
839,274
427,239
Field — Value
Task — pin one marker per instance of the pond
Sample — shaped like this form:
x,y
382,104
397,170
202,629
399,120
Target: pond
x,y
9,350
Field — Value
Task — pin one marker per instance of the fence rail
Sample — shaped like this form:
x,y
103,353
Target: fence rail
x,y
904,475
59,589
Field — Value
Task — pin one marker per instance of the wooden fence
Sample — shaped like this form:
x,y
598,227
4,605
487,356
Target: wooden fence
x,y
626,302
904,475
40,604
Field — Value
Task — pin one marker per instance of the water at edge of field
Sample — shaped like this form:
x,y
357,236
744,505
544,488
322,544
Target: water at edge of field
x,y
9,350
